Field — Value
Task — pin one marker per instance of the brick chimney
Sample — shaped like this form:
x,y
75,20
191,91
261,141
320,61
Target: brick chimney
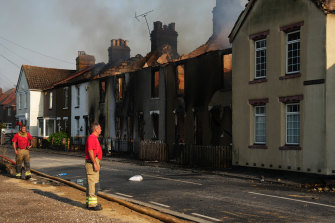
x,y
118,51
84,61
0,91
162,35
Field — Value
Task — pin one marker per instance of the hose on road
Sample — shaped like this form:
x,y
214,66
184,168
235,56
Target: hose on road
x,y
144,210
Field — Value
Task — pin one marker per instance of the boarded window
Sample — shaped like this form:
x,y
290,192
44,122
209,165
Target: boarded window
x,y
181,77
155,84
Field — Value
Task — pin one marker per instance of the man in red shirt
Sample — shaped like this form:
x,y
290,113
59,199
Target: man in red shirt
x,y
93,154
21,145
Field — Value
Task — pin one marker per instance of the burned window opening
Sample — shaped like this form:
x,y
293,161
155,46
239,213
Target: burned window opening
x,y
180,79
197,128
102,88
155,125
140,125
119,91
179,125
155,84
118,127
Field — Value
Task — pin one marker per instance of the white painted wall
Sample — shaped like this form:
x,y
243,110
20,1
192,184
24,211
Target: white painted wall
x,y
80,110
36,110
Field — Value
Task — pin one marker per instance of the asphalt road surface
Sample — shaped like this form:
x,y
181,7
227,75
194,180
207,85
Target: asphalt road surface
x,y
211,198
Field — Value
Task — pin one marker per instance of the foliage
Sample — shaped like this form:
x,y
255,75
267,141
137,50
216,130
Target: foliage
x,y
58,137
2,126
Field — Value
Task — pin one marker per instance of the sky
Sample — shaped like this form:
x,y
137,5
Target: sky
x,y
50,33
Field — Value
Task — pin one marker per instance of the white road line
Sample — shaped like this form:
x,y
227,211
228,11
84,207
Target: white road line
x,y
125,195
159,204
203,216
182,181
291,199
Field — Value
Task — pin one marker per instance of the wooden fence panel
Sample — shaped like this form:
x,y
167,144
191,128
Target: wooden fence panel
x,y
204,156
153,151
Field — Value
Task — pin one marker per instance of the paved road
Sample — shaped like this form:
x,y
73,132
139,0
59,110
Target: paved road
x,y
209,197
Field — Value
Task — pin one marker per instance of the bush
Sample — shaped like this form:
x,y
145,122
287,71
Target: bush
x,y
58,137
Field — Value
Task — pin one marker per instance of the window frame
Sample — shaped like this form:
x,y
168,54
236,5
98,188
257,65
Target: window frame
x,y
255,61
78,96
50,100
292,42
255,126
286,123
66,97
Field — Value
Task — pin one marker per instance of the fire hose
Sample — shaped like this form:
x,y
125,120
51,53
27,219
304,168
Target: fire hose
x,y
135,207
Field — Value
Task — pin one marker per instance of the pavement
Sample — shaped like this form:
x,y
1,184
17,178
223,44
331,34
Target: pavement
x,y
281,177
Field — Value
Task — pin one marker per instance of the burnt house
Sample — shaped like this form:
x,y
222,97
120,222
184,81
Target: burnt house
x,y
8,108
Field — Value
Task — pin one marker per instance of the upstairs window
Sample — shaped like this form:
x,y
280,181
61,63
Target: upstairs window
x,y
155,84
181,79
66,97
9,111
50,100
25,100
102,89
20,101
260,59
293,52
119,88
78,95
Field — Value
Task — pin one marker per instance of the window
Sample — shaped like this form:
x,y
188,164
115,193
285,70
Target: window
x,y
25,100
50,127
59,127
260,125
50,100
293,52
181,79
77,125
65,124
102,88
293,124
66,97
155,84
9,111
118,126
40,127
20,101
260,58
155,124
78,95
119,87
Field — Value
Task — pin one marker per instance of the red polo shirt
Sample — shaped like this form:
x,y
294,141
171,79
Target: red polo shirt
x,y
92,143
22,142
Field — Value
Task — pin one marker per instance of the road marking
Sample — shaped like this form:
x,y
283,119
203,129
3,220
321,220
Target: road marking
x,y
182,181
125,195
159,204
285,198
203,216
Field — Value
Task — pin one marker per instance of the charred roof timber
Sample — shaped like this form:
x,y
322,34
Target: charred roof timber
x,y
163,35
84,60
118,51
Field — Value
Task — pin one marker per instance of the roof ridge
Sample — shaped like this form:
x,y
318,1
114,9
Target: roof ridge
x,y
25,65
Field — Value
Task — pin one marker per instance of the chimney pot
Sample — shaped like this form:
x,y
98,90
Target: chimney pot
x,y
127,42
172,26
158,25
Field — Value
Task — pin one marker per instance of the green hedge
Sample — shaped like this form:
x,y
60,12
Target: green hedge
x,y
58,137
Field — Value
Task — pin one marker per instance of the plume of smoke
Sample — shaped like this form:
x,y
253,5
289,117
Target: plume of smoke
x,y
97,22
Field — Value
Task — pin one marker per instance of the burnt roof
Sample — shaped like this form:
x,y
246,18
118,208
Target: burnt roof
x,y
42,77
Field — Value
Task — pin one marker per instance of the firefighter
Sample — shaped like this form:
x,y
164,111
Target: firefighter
x,y
93,154
21,145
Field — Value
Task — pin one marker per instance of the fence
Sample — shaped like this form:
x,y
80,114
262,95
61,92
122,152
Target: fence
x,y
153,151
122,146
204,156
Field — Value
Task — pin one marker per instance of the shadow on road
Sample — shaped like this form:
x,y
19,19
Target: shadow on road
x,y
58,198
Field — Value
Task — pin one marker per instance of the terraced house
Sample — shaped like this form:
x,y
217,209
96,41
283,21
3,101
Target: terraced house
x,y
284,85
